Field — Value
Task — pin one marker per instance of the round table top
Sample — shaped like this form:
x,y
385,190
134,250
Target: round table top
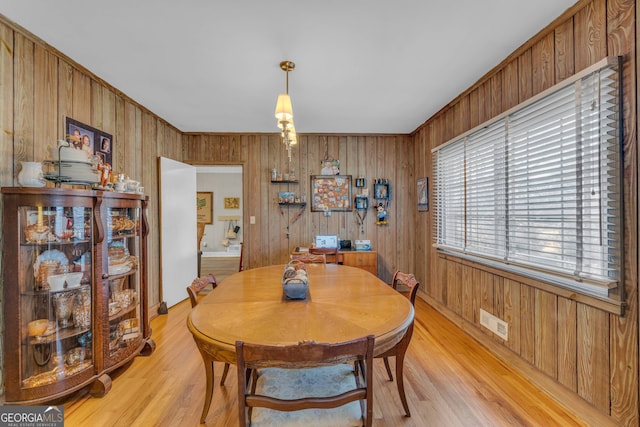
x,y
343,303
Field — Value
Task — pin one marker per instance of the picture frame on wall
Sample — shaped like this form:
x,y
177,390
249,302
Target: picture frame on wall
x,y
362,203
331,193
232,202
381,191
423,194
204,207
84,137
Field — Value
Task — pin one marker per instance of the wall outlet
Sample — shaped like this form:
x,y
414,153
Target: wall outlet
x,y
494,324
252,219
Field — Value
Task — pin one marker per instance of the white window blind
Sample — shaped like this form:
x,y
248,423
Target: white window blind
x,y
540,186
486,190
449,187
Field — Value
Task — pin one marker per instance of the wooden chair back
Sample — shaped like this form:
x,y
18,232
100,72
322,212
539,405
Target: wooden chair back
x,y
306,356
241,266
409,280
308,258
198,284
328,252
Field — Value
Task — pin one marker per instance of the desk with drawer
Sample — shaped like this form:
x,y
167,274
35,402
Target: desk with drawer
x,y
366,260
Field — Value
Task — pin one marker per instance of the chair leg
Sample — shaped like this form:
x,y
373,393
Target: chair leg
x,y
224,373
386,365
400,381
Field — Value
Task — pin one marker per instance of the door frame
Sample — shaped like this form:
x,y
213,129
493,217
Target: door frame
x,y
245,210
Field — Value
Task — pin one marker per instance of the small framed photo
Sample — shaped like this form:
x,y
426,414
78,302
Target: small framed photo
x,y
285,197
204,207
330,167
423,194
360,182
87,138
381,191
362,203
232,202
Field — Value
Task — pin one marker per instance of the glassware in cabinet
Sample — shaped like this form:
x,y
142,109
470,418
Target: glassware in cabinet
x,y
48,294
67,255
124,251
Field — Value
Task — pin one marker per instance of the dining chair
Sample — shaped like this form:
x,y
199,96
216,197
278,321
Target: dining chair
x,y
399,350
198,284
194,290
306,383
308,258
328,252
241,267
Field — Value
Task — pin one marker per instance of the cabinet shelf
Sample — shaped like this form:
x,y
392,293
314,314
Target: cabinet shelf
x,y
55,242
58,335
293,204
46,292
285,182
123,235
122,312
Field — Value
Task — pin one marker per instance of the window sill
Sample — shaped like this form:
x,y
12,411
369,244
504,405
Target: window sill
x,y
608,304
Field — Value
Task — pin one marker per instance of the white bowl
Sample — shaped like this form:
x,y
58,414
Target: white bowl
x,y
73,279
60,282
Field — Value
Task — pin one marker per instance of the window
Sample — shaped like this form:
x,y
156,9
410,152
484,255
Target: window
x,y
538,189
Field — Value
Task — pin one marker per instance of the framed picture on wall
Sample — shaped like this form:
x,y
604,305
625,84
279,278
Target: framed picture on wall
x,y
331,193
232,202
84,137
423,194
204,207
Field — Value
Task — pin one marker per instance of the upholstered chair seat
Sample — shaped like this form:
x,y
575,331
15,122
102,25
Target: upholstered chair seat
x,y
291,384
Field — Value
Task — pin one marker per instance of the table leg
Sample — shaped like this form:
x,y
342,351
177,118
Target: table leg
x,y
208,368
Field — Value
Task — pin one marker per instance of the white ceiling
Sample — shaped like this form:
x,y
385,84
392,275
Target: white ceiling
x,y
362,66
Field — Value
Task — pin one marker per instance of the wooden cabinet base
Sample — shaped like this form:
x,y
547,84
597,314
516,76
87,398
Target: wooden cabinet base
x,y
149,348
101,386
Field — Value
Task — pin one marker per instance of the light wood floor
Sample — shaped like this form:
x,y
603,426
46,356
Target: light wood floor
x,y
450,380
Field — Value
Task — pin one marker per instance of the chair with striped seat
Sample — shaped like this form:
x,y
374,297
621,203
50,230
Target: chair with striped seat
x,y
306,384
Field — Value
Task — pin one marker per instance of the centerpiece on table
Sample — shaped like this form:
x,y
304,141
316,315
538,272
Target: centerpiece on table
x,y
295,281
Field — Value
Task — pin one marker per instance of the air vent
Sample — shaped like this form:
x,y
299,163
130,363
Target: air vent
x,y
494,324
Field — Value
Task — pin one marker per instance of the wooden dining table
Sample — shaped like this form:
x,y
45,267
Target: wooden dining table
x,y
343,303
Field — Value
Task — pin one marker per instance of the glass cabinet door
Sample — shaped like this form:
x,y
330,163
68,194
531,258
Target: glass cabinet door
x,y
55,285
123,255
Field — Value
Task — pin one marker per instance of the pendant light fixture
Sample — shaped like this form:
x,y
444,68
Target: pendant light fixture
x,y
284,112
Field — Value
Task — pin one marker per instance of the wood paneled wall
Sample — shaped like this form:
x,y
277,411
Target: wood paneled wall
x,y
40,86
368,156
584,356
572,349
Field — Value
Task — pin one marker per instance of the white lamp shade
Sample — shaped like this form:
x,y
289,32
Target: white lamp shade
x,y
284,111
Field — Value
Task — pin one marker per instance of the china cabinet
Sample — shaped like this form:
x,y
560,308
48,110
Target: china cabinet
x,y
75,294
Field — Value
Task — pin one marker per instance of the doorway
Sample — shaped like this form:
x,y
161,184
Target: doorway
x,y
225,182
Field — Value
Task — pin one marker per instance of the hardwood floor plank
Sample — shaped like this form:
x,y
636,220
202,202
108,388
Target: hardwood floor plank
x,y
450,380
